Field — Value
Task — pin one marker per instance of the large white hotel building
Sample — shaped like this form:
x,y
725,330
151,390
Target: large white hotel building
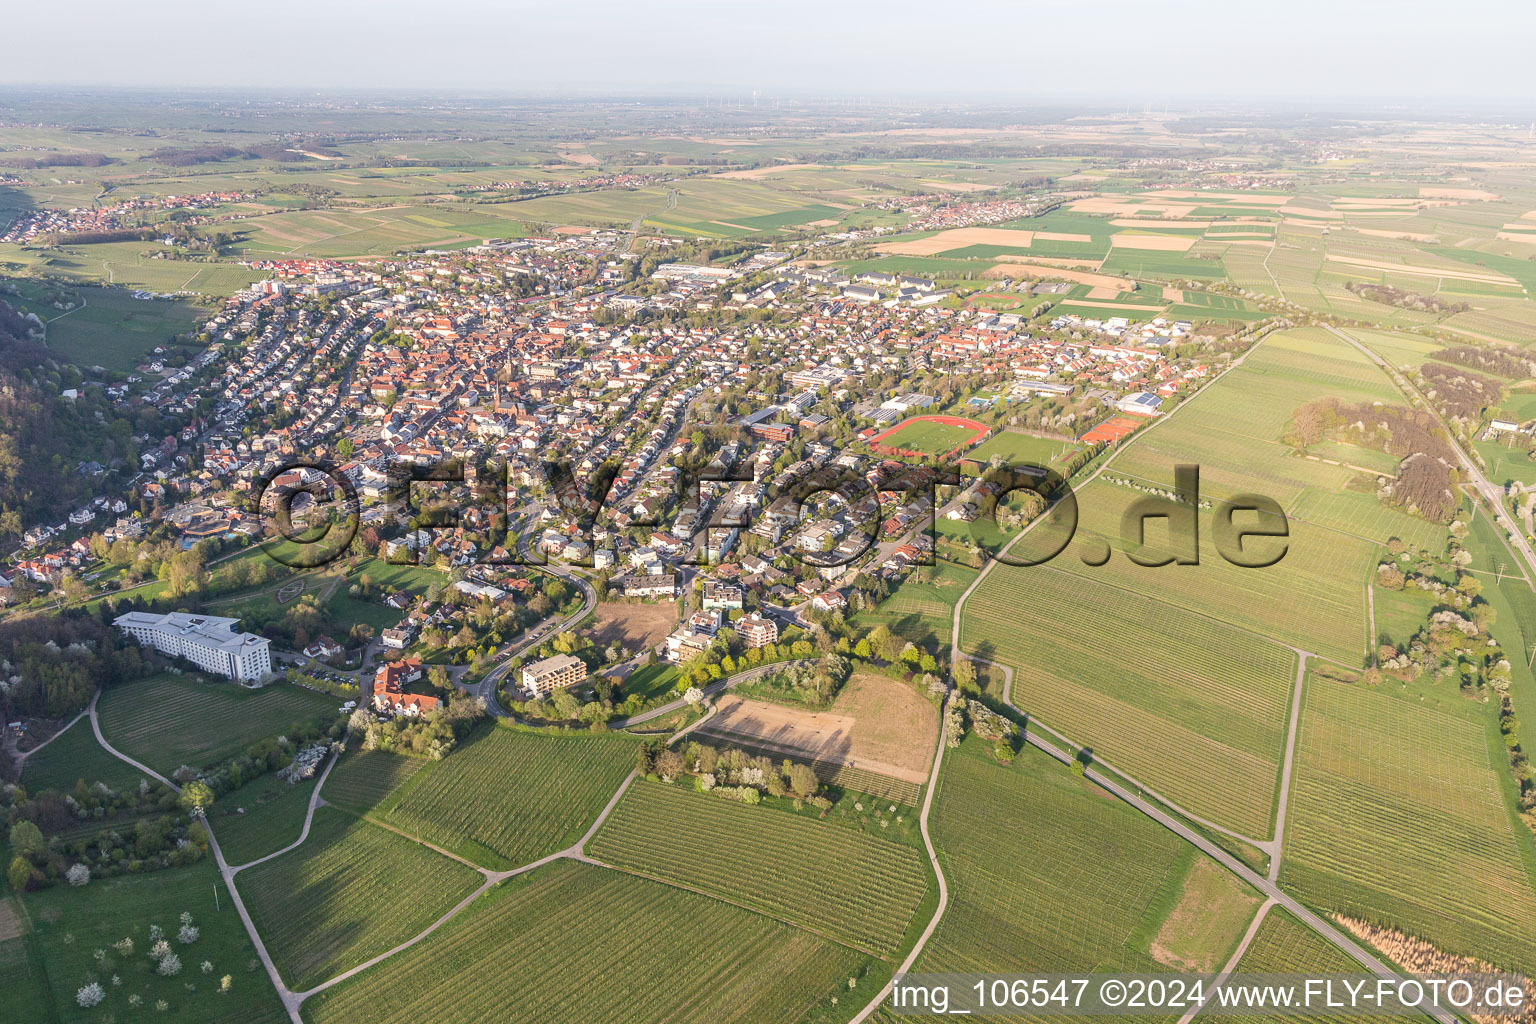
x,y
208,641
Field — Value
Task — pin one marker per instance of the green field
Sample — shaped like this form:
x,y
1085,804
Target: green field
x,y
166,721
1192,706
1398,816
504,797
1046,874
921,608
1023,449
74,756
834,880
260,818
350,892
71,924
612,949
363,778
115,330
927,437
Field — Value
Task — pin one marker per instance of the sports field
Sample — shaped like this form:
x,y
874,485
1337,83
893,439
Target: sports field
x,y
1023,449
613,949
166,721
504,798
929,435
1399,816
826,877
353,890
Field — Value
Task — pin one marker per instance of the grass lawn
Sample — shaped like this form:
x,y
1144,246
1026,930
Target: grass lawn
x,y
166,720
651,681
614,949
861,889
335,901
506,797
920,609
71,924
1401,613
1024,449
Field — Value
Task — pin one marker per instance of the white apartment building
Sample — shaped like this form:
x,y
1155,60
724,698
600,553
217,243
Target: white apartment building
x,y
208,641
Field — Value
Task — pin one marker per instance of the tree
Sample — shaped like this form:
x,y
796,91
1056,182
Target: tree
x,y
802,781
78,875
195,796
27,841
965,673
22,875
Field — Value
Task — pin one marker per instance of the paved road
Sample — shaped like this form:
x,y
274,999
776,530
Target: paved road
x,y
1493,494
486,688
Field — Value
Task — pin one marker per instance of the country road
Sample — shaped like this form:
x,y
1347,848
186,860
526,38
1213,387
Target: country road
x,y
1490,492
1265,884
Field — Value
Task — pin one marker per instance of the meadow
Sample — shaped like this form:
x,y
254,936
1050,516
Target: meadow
x,y
260,817
353,890
922,607
166,721
75,756
1192,706
1020,448
854,887
114,330
691,957
1399,816
503,797
71,924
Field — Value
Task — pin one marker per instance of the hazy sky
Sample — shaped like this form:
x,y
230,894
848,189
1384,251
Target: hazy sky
x,y
1046,51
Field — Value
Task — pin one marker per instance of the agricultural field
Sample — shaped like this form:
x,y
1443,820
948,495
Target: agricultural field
x,y
72,756
166,721
1046,874
114,330
701,959
1283,945
362,779
504,797
336,901
851,780
860,890
876,723
1399,816
260,817
1191,706
376,230
71,924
